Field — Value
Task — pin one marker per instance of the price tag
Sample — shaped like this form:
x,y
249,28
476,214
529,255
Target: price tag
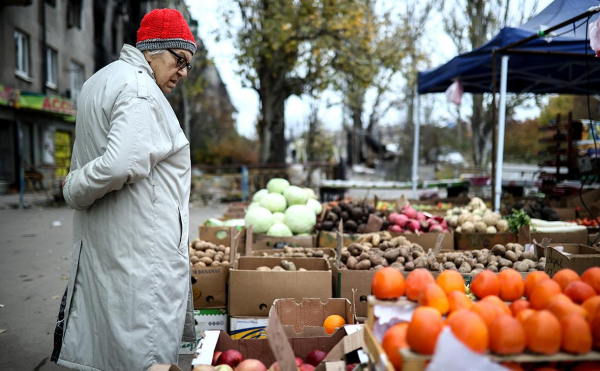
x,y
438,244
373,224
279,343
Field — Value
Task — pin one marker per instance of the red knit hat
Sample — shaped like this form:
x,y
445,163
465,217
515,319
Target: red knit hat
x,y
163,29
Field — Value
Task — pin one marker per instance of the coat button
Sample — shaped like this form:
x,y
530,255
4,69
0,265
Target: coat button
x,y
139,71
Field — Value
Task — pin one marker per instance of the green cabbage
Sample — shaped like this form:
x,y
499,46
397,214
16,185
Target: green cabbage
x,y
252,205
260,219
300,219
274,202
277,185
315,205
280,230
259,195
310,193
234,223
295,196
278,217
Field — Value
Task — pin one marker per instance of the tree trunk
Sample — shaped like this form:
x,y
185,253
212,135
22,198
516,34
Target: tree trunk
x,y
272,127
477,123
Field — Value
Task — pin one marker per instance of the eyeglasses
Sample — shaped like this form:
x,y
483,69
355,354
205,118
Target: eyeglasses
x,y
181,62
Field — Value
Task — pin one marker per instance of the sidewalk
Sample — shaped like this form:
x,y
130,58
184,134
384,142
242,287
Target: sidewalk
x,y
11,200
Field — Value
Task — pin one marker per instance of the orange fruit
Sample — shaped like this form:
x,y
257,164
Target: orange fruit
x,y
487,311
424,329
576,334
532,280
524,314
496,301
485,283
561,306
518,305
470,329
591,305
450,280
388,283
564,277
543,293
458,300
594,321
543,333
507,335
416,282
333,322
393,340
592,277
579,291
587,366
433,296
512,285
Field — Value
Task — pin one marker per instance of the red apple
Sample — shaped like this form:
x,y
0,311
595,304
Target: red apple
x,y
230,357
315,357
251,365
306,367
351,366
215,357
299,361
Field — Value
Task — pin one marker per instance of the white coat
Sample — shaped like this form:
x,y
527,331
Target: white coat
x,y
128,295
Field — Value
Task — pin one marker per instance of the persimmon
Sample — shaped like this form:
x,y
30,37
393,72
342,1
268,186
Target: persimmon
x,y
393,340
512,285
579,291
507,335
450,280
543,333
485,283
591,305
499,303
561,306
433,296
576,334
532,280
458,300
518,305
424,329
487,311
543,293
524,314
388,283
416,282
592,277
564,277
470,329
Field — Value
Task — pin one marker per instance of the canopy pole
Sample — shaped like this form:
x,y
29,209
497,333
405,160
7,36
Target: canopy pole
x,y
415,165
494,124
501,125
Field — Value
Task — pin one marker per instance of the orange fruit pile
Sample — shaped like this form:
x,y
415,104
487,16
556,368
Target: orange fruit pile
x,y
333,322
561,313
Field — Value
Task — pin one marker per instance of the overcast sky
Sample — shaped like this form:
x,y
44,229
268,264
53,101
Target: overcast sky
x,y
208,13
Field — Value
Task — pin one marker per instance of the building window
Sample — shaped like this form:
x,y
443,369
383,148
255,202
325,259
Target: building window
x,y
21,54
52,68
74,13
52,3
77,76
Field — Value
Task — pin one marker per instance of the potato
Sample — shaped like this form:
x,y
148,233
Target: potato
x,y
540,266
459,261
352,262
376,240
194,259
263,268
288,266
363,265
210,253
504,263
435,266
504,268
401,260
199,265
410,266
302,270
492,258
530,263
216,263
363,256
417,254
520,247
206,260
378,267
449,265
465,268
528,255
493,268
398,266
481,259
498,250
479,266
480,227
511,255
521,266
391,254
421,262
278,268
355,249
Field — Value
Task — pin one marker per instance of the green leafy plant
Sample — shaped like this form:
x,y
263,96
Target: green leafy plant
x,y
517,219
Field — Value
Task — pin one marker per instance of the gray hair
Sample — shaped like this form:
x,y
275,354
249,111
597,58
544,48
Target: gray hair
x,y
156,51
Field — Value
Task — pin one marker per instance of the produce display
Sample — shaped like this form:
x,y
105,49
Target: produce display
x,y
438,206
283,266
409,220
536,209
498,259
588,222
354,214
476,218
539,225
298,252
538,315
378,250
212,222
283,210
206,254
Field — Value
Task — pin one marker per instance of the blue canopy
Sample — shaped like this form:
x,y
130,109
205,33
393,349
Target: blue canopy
x,y
542,65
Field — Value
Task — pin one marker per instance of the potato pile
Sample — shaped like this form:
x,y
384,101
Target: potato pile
x,y
284,266
476,218
206,254
298,252
377,250
499,258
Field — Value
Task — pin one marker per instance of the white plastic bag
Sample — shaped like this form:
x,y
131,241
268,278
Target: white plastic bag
x,y
594,32
454,92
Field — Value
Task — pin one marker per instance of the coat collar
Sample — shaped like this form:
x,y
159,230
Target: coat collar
x,y
136,58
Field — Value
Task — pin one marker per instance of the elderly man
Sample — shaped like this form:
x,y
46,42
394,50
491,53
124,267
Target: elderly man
x,y
128,296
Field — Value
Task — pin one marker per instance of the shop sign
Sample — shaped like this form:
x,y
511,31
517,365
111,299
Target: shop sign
x,y
48,103
8,96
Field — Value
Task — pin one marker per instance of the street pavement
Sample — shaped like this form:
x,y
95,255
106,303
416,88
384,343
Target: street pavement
x,y
35,257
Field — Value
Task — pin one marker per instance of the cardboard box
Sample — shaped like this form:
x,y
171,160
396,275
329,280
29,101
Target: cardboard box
x,y
158,367
220,235
260,349
577,257
205,319
589,197
428,240
354,285
477,241
264,242
252,292
527,236
566,213
248,327
306,319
